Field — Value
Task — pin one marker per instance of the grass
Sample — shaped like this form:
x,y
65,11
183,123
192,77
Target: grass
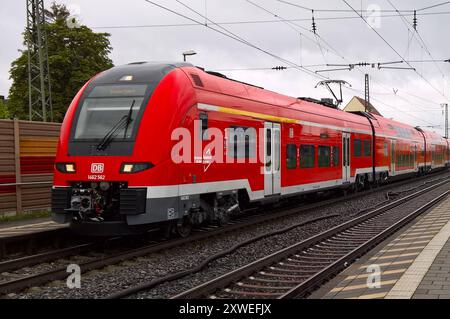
x,y
24,216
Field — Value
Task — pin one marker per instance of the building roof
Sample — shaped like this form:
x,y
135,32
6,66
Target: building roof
x,y
357,104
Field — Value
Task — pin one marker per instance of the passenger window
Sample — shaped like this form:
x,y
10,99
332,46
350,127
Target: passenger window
x,y
335,156
357,148
324,156
241,142
291,156
203,126
367,148
307,153
386,151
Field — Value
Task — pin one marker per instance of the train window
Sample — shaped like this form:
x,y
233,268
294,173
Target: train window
x,y
335,156
324,156
203,126
367,148
386,151
241,142
307,156
269,142
291,156
107,105
415,154
357,148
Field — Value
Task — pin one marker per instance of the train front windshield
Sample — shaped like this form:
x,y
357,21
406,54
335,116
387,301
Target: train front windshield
x,y
106,106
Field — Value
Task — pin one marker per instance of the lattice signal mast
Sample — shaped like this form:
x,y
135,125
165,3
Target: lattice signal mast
x,y
39,88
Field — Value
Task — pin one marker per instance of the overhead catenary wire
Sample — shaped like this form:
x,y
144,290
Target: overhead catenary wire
x,y
231,35
395,108
375,81
393,49
381,85
317,65
242,22
415,32
294,27
344,10
419,39
378,83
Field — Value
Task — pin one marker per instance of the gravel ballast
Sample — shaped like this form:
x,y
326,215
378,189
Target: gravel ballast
x,y
100,283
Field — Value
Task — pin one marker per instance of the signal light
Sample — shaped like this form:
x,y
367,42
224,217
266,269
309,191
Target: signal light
x,y
129,168
66,168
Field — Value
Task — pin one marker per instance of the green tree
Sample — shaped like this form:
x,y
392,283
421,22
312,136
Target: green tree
x,y
75,55
4,114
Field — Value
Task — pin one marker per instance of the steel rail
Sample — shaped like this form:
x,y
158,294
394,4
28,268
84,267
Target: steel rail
x,y
324,272
61,273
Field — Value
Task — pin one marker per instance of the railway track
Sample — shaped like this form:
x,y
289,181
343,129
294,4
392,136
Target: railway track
x,y
297,270
30,259
19,284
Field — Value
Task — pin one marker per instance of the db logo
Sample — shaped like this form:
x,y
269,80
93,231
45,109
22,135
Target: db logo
x,y
97,168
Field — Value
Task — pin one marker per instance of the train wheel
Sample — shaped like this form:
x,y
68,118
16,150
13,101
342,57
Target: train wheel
x,y
184,227
166,231
360,183
223,219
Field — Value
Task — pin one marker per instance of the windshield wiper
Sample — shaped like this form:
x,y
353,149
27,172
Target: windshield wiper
x,y
124,121
129,119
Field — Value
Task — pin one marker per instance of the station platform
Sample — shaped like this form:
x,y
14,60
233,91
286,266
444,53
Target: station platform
x,y
414,263
28,227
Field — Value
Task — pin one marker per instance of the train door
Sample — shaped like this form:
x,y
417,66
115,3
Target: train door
x,y
415,157
272,158
432,149
346,157
392,157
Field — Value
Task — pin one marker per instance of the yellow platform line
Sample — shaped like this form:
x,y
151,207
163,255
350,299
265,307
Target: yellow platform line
x,y
408,283
386,272
395,256
394,263
362,286
379,295
401,249
409,243
417,237
428,229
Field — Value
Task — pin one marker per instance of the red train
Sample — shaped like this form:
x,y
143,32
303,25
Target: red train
x,y
171,144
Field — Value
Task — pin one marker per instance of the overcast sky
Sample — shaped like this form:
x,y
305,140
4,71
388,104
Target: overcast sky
x,y
342,40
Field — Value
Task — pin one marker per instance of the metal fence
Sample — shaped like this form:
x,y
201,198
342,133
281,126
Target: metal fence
x,y
27,153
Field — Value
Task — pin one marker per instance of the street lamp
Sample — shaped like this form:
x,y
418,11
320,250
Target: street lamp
x,y
190,52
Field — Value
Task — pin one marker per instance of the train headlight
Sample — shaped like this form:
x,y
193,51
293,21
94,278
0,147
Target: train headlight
x,y
66,168
135,167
